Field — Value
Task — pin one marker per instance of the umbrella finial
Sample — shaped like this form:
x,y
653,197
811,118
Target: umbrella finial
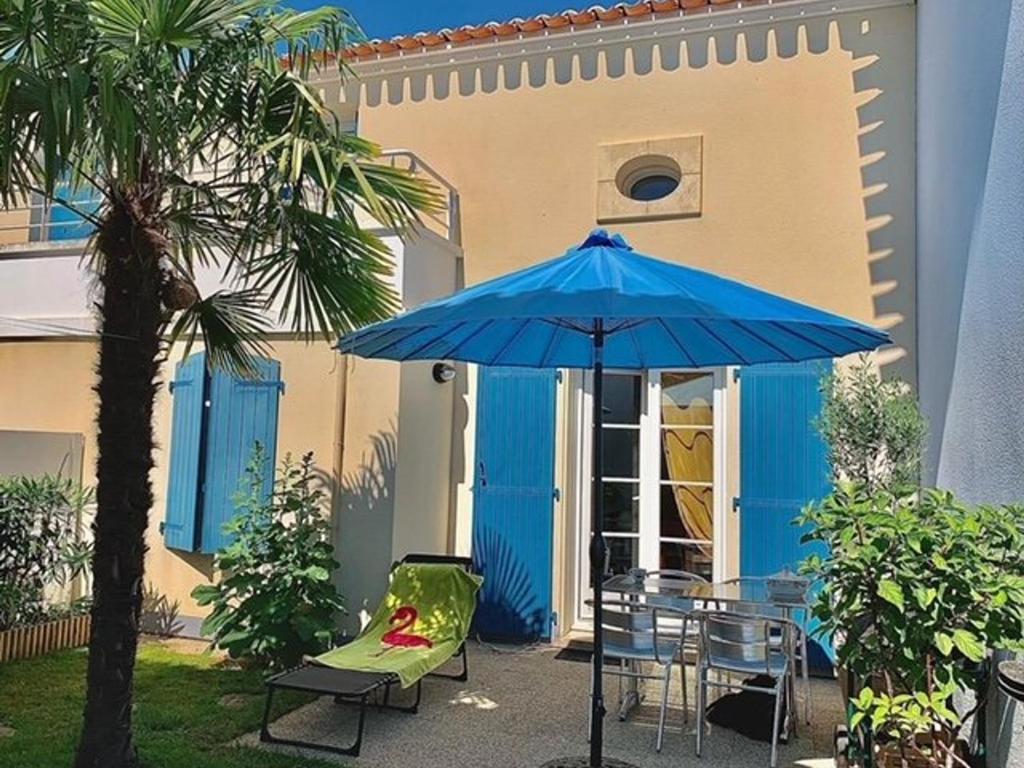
x,y
599,238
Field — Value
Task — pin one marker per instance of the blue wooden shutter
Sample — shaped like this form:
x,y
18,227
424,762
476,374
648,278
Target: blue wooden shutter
x,y
783,462
242,412
188,390
513,501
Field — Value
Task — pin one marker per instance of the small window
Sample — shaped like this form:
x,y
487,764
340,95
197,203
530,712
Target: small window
x,y
653,187
649,180
648,177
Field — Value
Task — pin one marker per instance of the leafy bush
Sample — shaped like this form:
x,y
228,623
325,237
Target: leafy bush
x,y
275,600
917,588
873,427
39,544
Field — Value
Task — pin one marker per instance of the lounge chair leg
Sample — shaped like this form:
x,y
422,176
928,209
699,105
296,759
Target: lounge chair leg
x,y
461,676
265,725
351,751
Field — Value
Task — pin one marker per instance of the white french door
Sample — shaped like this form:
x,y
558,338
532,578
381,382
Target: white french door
x,y
663,475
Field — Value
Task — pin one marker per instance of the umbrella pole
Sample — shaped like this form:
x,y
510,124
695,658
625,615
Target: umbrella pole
x,y
598,552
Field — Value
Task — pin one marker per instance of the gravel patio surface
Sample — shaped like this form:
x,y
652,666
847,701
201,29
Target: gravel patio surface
x,y
525,707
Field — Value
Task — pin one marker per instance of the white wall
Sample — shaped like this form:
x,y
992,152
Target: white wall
x,y
971,265
960,52
52,292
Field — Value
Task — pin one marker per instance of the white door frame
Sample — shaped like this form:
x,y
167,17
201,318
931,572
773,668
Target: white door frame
x,y
649,479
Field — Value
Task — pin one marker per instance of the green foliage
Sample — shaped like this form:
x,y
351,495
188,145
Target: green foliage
x,y
873,428
917,588
193,125
179,716
275,600
39,545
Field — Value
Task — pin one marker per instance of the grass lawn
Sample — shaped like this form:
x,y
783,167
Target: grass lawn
x,y
180,721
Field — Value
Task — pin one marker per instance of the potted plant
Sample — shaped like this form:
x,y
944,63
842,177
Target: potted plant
x,y
917,587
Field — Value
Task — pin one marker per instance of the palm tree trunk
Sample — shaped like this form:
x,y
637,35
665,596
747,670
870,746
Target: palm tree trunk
x,y
130,322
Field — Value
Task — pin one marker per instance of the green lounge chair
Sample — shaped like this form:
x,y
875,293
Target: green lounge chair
x,y
420,625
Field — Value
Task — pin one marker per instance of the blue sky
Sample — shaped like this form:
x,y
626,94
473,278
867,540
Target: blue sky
x,y
384,18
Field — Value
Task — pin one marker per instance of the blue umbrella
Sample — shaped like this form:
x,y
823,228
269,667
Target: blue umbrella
x,y
602,304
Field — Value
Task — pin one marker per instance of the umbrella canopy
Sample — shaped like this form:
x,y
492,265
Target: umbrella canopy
x,y
654,314
603,305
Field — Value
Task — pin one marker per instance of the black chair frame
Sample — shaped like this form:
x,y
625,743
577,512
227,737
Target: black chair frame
x,y
360,685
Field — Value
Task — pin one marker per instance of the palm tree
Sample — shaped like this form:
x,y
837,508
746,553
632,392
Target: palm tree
x,y
192,122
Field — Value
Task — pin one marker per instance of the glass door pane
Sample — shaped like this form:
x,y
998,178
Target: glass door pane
x,y
623,404
686,454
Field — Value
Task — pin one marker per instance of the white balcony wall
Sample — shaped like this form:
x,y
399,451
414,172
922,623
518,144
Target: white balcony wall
x,y
52,293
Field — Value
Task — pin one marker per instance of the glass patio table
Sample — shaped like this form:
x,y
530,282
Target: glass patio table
x,y
746,592
753,596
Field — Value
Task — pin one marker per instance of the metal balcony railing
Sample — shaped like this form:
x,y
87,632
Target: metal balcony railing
x,y
42,225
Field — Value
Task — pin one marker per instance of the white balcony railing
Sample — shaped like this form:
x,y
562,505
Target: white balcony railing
x,y
42,226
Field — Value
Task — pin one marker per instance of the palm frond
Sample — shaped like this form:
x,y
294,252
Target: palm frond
x,y
233,327
325,275
200,113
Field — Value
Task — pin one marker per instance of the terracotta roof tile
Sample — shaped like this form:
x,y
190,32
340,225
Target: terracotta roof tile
x,y
425,41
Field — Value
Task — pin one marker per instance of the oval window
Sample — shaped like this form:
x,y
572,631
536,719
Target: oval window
x,y
648,178
653,187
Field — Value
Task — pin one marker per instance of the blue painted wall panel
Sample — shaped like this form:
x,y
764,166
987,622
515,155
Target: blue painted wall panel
x,y
513,501
188,391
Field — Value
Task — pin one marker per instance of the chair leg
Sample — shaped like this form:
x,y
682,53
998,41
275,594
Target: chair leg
x,y
666,684
682,674
622,668
780,693
805,664
701,694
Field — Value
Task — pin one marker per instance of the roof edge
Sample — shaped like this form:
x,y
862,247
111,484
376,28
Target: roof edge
x,y
567,29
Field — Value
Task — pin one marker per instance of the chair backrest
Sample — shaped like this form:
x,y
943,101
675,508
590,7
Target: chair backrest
x,y
632,628
767,584
667,580
732,640
682,578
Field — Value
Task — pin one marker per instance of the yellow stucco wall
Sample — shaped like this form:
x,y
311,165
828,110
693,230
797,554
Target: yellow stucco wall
x,y
808,169
47,385
789,161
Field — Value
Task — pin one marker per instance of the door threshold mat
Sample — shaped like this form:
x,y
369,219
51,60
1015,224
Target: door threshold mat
x,y
581,652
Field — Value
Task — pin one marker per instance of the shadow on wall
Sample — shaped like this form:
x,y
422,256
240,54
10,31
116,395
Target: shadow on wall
x,y
507,607
364,510
160,616
881,82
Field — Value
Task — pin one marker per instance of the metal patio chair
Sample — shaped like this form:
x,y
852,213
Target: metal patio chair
x,y
801,623
632,638
687,631
744,644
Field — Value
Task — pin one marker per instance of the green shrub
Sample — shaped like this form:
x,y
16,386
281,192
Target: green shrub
x,y
873,427
39,545
275,601
916,589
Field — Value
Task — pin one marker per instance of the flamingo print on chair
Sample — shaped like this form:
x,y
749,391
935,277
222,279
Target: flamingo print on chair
x,y
402,619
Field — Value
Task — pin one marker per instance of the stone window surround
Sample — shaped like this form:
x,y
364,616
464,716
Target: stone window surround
x,y
617,163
